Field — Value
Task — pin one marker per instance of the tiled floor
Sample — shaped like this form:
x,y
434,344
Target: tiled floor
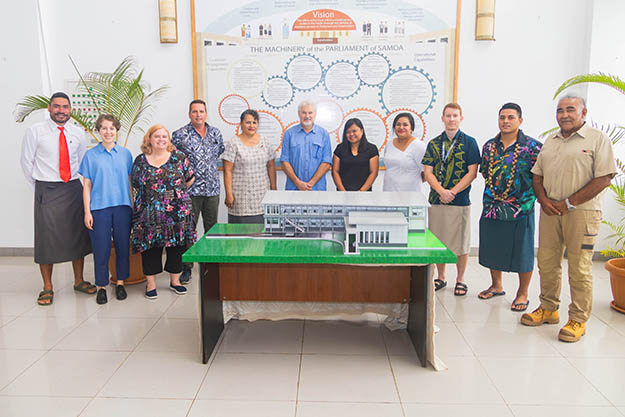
x,y
140,357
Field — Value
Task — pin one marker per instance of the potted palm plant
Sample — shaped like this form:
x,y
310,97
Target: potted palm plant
x,y
615,265
122,93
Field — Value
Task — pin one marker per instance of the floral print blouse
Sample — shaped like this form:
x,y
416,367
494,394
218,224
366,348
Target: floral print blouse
x,y
162,214
520,200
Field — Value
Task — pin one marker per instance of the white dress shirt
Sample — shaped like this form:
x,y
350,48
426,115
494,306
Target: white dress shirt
x,y
40,151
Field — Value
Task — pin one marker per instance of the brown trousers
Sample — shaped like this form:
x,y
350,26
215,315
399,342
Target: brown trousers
x,y
577,232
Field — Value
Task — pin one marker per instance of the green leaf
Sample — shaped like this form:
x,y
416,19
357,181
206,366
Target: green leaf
x,y
600,78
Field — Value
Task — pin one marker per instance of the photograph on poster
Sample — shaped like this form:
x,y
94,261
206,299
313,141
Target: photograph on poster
x,y
369,59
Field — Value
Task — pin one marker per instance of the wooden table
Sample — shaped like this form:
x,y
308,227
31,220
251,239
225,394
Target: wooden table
x,y
249,269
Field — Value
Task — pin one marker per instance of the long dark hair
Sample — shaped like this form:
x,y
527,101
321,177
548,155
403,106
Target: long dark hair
x,y
363,140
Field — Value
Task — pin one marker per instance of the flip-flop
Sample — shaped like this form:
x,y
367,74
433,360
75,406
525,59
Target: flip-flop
x,y
44,296
439,284
493,294
460,289
85,287
523,306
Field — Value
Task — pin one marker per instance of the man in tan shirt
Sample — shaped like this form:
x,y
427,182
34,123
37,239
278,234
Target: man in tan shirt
x,y
573,169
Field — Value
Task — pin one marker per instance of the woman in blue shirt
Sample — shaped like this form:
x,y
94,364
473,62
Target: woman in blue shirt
x,y
108,213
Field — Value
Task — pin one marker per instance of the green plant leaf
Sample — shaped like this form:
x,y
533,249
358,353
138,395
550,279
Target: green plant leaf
x,y
599,77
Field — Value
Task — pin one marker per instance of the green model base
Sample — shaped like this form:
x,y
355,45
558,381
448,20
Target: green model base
x,y
425,248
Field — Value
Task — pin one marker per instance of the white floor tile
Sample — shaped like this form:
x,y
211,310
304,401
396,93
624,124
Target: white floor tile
x,y
465,382
263,336
137,306
316,409
222,408
41,406
133,407
251,377
358,378
450,342
14,362
108,334
546,381
397,342
67,373
6,319
16,303
464,410
509,339
340,337
174,375
36,333
606,375
187,307
470,309
67,303
173,335
550,411
599,341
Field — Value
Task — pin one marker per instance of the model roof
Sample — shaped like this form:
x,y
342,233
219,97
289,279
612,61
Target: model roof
x,y
346,198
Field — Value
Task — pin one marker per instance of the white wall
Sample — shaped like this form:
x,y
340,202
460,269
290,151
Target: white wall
x,y
539,44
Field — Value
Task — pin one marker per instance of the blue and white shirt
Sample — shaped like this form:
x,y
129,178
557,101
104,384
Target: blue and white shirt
x,y
203,155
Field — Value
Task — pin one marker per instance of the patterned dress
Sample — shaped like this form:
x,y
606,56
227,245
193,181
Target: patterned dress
x,y
162,213
249,176
521,198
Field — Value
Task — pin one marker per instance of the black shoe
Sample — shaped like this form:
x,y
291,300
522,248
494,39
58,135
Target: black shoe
x,y
100,298
185,277
120,292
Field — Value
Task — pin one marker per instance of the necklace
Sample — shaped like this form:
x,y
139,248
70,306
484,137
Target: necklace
x,y
491,167
445,155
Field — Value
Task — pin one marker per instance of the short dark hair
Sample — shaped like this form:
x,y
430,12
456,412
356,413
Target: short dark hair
x,y
197,101
60,94
363,141
512,106
110,118
409,116
250,112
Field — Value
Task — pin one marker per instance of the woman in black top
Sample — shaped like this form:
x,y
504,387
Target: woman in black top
x,y
355,161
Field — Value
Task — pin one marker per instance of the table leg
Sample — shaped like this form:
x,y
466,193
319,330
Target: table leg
x,y
418,310
212,312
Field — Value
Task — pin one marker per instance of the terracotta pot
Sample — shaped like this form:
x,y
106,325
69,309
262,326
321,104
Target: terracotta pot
x,y
616,267
136,270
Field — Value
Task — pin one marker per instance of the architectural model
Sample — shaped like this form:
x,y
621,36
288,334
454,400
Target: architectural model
x,y
360,220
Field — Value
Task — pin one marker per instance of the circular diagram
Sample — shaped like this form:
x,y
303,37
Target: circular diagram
x,y
341,80
373,69
329,115
247,77
408,87
270,126
231,107
374,124
419,128
278,92
304,72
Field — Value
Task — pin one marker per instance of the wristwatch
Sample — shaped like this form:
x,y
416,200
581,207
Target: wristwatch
x,y
569,206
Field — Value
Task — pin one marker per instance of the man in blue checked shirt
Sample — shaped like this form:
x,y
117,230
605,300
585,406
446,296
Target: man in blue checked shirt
x,y
203,145
306,152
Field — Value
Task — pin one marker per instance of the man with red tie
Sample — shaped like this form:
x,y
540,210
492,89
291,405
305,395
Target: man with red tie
x,y
51,154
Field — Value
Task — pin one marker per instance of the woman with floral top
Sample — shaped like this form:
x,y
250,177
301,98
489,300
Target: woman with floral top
x,y
162,216
507,221
249,171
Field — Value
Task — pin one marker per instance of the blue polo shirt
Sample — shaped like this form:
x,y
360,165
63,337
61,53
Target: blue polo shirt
x,y
305,152
108,171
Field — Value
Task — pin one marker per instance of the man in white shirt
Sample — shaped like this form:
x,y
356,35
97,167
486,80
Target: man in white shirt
x,y
51,154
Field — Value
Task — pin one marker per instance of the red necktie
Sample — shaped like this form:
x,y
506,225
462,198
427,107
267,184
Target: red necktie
x,y
64,169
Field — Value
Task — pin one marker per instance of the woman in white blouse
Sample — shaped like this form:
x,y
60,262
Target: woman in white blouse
x,y
249,171
403,156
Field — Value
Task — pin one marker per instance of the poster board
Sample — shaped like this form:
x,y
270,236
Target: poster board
x,y
369,59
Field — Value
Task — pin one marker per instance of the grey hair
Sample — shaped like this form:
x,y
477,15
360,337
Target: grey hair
x,y
574,97
307,103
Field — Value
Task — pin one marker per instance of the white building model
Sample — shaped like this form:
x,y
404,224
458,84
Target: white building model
x,y
360,220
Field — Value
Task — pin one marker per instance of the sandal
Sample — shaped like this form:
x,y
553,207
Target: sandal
x,y
439,284
460,289
519,306
45,298
85,287
488,294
